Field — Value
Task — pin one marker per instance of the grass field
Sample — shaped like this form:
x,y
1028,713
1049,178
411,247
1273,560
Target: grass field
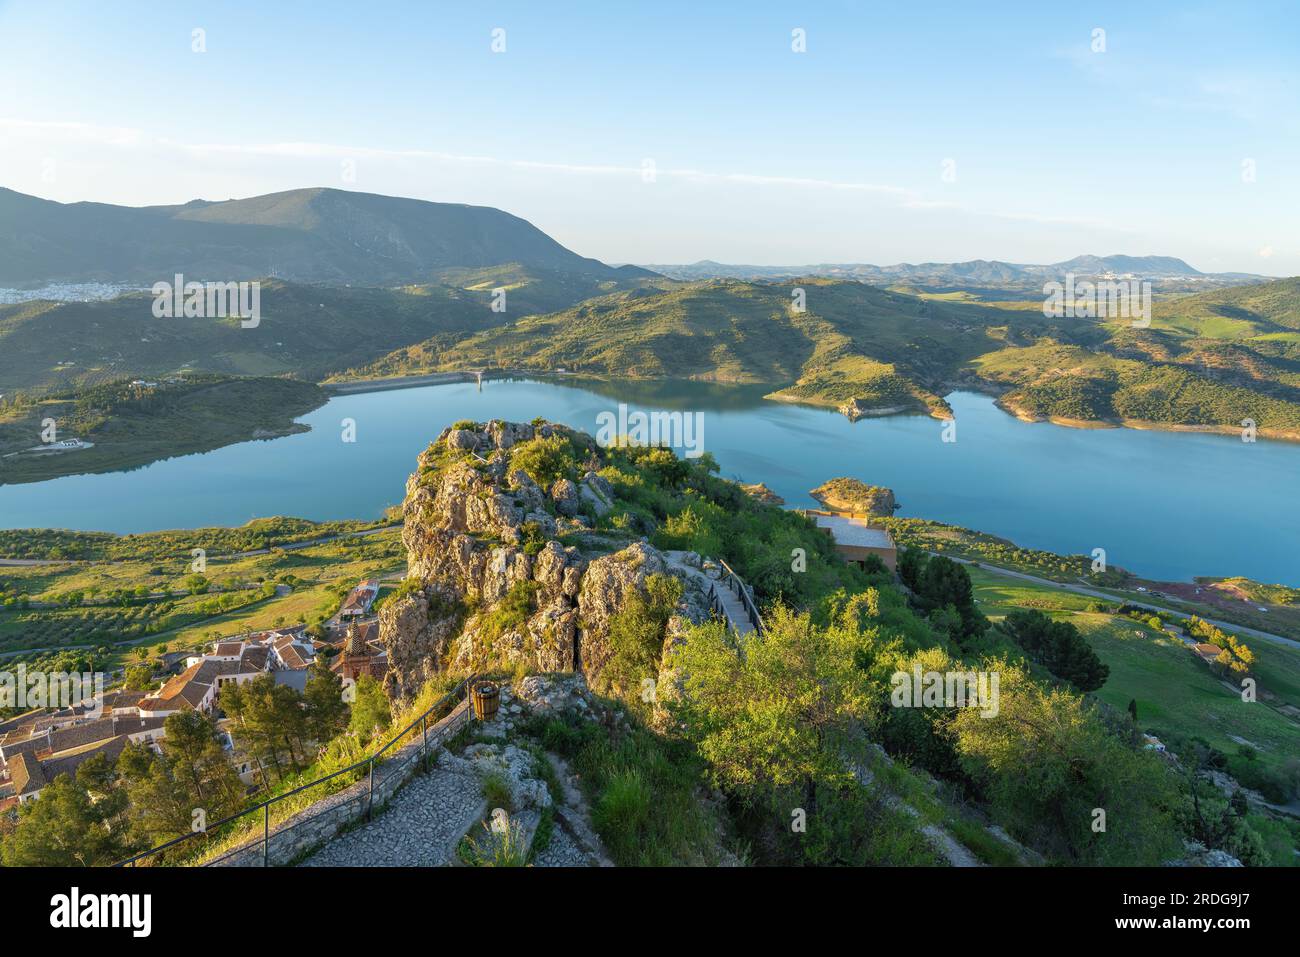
x,y
316,576
1178,697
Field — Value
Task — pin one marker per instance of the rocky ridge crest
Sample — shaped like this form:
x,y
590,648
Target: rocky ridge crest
x,y
489,584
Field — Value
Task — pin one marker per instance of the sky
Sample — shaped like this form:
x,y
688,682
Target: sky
x,y
670,132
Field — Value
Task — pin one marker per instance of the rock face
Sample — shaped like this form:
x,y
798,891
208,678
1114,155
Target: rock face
x,y
488,595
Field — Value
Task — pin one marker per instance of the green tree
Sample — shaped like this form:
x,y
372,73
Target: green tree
x,y
139,677
1059,647
370,709
269,722
63,827
944,583
775,710
636,637
1049,765
327,712
192,774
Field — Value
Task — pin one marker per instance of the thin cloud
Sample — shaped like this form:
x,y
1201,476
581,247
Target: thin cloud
x,y
904,198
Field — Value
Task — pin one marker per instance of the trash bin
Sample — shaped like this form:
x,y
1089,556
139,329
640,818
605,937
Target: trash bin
x,y
486,696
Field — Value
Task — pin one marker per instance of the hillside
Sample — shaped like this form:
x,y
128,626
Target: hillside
x,y
305,331
309,235
132,425
1207,361
853,341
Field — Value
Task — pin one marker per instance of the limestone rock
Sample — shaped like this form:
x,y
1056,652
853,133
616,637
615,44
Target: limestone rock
x,y
851,495
605,588
464,439
416,642
596,492
505,435
565,496
463,518
760,492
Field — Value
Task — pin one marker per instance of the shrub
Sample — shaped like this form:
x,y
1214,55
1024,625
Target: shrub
x,y
546,460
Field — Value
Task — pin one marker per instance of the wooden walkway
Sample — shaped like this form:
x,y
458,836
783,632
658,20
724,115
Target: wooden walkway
x,y
729,596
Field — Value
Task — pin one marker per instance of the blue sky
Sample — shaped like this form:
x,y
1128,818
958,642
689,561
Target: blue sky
x,y
761,154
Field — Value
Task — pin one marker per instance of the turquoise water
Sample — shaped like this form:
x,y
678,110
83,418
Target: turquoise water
x,y
1166,505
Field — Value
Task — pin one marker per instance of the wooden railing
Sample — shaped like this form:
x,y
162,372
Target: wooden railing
x,y
736,585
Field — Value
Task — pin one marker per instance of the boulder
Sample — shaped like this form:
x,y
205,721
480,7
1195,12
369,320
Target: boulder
x,y
593,492
464,440
505,435
565,496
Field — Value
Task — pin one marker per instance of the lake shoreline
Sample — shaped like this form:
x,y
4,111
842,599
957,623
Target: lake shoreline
x,y
1138,425
1013,482
362,386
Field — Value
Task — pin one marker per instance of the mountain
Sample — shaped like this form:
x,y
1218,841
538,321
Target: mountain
x,y
1169,273
1146,266
305,235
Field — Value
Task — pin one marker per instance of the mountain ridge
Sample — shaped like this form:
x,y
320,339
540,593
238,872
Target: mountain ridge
x,y
315,234
991,271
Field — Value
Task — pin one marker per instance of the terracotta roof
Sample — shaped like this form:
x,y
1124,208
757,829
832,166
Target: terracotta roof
x,y
183,690
27,774
227,649
173,685
291,657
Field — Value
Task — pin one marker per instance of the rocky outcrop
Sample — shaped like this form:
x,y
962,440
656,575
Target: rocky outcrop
x,y
851,495
761,493
487,595
417,634
604,591
1198,855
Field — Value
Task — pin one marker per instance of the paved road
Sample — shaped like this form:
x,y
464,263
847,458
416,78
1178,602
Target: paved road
x,y
1158,609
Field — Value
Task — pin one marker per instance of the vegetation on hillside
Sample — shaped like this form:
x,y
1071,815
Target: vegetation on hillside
x,y
131,425
888,351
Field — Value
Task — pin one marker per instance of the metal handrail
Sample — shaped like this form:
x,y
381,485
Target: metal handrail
x,y
462,689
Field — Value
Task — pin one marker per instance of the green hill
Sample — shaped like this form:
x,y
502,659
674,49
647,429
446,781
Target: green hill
x,y
884,350
305,331
852,341
131,425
